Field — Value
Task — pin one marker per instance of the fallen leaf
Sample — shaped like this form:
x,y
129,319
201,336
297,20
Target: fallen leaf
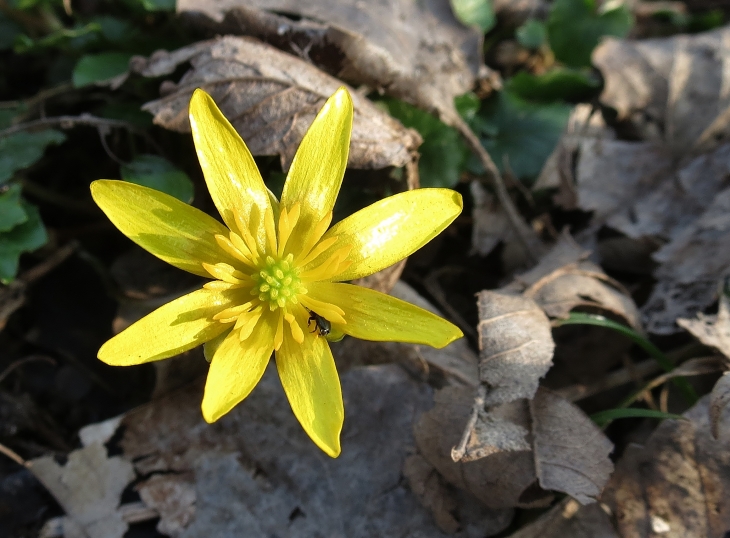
x,y
417,52
173,497
256,469
546,441
712,330
569,519
719,400
271,98
677,484
89,489
515,346
491,224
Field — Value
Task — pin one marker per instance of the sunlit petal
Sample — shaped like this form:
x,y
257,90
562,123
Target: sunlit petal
x,y
173,328
309,377
318,167
173,231
389,230
372,315
236,369
233,179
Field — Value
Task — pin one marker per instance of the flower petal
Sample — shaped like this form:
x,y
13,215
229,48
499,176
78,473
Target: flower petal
x,y
389,230
372,315
173,328
236,369
309,377
173,231
318,167
232,176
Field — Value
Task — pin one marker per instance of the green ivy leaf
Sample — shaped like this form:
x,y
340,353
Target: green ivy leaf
x,y
532,35
479,13
443,154
96,68
526,133
24,237
11,210
560,83
21,150
159,174
576,26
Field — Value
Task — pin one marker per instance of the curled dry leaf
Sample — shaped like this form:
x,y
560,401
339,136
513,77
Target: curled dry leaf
x,y
569,519
89,489
271,98
676,84
712,330
677,485
256,470
545,443
515,346
415,51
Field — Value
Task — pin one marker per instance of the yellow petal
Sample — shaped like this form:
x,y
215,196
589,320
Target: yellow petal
x,y
236,369
211,346
173,328
311,383
233,179
173,231
389,230
372,315
316,172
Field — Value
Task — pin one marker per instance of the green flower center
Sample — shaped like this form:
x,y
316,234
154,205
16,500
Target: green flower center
x,y
278,282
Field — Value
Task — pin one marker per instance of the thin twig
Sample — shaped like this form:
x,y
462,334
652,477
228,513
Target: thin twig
x,y
527,236
432,284
21,362
67,122
12,455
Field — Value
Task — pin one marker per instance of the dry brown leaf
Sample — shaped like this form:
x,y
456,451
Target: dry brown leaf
x,y
712,330
515,346
173,497
255,469
491,223
415,51
677,485
271,98
546,441
719,400
569,519
673,88
89,489
692,264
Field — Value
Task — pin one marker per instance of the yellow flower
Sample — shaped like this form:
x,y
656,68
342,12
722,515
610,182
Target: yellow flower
x,y
277,266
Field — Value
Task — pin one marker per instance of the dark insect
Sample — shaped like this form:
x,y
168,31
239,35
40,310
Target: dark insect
x,y
321,325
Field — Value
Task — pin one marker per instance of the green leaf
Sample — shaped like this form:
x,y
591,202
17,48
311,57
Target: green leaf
x,y
21,150
25,237
479,13
116,30
157,173
526,133
576,26
443,153
129,112
532,34
95,68
9,30
603,418
560,83
158,5
11,210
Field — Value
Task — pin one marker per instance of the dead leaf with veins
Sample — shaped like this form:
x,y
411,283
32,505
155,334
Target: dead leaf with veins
x,y
271,98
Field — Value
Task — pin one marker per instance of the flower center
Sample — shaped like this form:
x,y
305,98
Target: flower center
x,y
277,282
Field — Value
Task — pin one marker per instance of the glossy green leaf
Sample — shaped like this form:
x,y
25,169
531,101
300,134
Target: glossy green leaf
x,y
24,237
22,150
479,13
519,131
576,26
532,34
443,154
560,83
97,68
11,209
159,174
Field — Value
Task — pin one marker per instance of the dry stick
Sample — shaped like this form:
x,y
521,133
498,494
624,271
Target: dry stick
x,y
21,362
12,455
527,237
66,122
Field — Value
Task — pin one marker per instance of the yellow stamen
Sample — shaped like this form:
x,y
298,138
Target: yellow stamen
x,y
287,221
233,312
279,336
296,330
231,249
315,235
270,231
330,267
242,247
217,285
247,321
319,249
227,273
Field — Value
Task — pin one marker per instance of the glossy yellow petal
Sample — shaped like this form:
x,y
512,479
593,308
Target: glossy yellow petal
x,y
309,377
175,327
233,179
236,369
173,231
316,172
211,346
389,230
372,315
